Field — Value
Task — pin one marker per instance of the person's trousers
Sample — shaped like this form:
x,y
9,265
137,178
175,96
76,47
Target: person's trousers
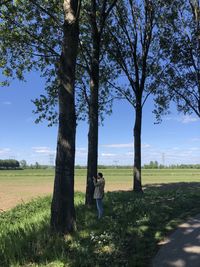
x,y
99,207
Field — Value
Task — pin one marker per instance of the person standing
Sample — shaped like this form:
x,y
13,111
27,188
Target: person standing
x,y
99,184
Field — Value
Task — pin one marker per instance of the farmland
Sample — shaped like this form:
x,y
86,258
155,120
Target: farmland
x,y
22,185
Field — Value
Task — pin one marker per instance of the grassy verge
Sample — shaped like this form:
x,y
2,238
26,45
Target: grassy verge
x,y
126,236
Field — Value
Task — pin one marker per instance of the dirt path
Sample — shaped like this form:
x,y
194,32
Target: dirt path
x,y
182,248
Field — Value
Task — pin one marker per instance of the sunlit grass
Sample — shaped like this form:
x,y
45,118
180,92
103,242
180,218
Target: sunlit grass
x,y
110,174
127,235
115,178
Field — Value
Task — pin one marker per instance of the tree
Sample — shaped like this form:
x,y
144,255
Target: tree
x,y
92,72
23,164
134,47
37,165
32,38
93,55
9,164
42,51
62,208
35,27
180,43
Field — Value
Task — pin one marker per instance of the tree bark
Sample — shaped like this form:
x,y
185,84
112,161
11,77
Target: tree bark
x,y
63,218
137,186
92,162
97,31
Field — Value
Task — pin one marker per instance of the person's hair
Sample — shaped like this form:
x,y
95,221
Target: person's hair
x,y
100,174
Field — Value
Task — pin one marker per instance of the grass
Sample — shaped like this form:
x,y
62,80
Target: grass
x,y
114,177
127,235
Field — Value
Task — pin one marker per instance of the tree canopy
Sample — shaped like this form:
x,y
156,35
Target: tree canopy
x,y
180,44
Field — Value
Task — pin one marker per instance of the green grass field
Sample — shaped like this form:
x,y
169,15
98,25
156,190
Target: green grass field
x,y
22,185
128,235
113,176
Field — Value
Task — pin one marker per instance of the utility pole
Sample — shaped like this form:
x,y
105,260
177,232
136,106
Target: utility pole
x,y
51,160
163,159
116,163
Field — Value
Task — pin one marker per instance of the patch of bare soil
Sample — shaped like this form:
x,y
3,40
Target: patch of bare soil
x,y
13,194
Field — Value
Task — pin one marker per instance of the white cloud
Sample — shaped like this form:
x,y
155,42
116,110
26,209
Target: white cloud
x,y
195,148
129,154
174,155
175,148
81,152
177,154
145,146
183,119
188,119
128,145
118,145
30,119
168,118
197,139
6,103
81,149
108,154
4,151
43,150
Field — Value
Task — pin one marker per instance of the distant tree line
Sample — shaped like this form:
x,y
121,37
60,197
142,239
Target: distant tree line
x,y
24,165
156,165
12,164
9,164
151,165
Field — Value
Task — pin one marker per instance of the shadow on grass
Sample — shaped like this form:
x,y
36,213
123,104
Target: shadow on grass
x,y
174,186
127,235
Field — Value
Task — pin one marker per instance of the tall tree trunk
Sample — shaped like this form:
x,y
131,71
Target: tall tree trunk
x,y
137,147
92,147
63,218
198,52
92,162
97,30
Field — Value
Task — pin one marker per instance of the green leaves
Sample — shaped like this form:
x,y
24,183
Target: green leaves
x,y
181,54
31,37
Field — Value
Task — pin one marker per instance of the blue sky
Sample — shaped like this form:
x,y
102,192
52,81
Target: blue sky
x,y
176,140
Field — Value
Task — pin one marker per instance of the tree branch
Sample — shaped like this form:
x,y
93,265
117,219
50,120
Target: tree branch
x,y
120,60
31,35
85,93
105,14
84,57
122,92
184,98
110,8
147,41
46,12
110,100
